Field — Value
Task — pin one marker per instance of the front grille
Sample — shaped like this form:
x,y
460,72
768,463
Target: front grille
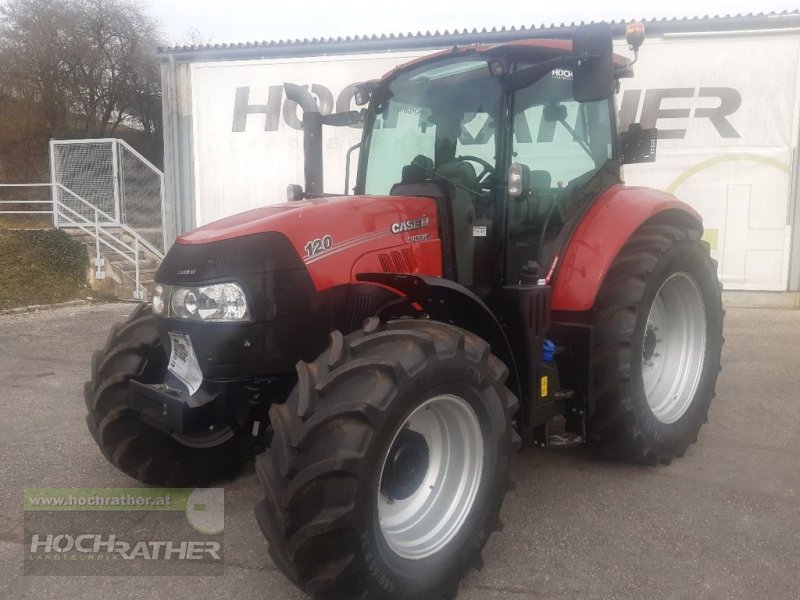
x,y
240,256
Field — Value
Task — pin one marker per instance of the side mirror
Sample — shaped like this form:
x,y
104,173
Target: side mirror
x,y
519,180
364,92
638,145
593,76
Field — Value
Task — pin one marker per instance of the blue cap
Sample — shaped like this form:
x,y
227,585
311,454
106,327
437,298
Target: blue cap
x,y
548,350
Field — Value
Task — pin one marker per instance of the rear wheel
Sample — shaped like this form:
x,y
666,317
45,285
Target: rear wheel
x,y
658,341
133,352
388,464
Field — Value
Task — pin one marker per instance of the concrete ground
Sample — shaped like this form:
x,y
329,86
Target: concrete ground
x,y
723,522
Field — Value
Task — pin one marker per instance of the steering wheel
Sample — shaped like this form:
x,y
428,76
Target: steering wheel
x,y
488,168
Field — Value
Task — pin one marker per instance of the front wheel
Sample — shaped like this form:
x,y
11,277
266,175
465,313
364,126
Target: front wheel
x,y
388,464
134,353
658,341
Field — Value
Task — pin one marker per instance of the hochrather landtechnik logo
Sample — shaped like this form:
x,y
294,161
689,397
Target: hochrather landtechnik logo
x,y
124,531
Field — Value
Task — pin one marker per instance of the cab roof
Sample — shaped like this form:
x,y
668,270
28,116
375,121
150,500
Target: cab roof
x,y
534,49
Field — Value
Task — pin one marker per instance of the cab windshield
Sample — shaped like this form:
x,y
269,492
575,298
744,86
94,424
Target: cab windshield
x,y
443,123
430,118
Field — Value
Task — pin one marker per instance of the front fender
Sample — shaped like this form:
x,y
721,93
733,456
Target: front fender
x,y
449,302
577,275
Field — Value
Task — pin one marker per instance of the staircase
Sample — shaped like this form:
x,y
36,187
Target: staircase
x,y
121,255
116,274
110,197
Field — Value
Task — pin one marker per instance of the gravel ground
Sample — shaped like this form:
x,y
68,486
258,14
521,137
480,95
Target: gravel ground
x,y
723,522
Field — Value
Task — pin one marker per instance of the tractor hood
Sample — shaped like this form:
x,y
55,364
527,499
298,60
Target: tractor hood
x,y
334,236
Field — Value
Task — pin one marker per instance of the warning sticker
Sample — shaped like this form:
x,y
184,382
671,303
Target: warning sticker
x,y
479,231
183,361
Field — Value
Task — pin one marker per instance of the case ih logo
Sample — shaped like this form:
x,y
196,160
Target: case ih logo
x,y
644,104
410,225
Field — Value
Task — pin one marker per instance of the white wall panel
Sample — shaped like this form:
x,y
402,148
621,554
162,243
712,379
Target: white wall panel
x,y
726,107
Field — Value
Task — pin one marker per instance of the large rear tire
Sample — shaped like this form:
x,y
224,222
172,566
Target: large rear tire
x,y
133,352
658,340
356,503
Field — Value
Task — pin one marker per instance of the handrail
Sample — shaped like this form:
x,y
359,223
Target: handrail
x,y
102,241
26,212
90,222
132,232
126,228
97,228
116,223
101,230
138,155
98,240
89,232
90,205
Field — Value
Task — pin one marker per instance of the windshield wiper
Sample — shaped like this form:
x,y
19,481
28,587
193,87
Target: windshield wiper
x,y
575,137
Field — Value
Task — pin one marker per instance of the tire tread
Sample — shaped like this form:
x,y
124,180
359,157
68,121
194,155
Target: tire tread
x,y
614,429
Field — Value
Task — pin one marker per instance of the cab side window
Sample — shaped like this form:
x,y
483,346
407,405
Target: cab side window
x,y
564,143
400,133
554,133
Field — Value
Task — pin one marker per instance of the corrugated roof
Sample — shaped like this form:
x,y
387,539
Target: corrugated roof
x,y
420,39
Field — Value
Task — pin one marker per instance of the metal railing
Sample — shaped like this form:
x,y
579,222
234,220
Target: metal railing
x,y
110,174
108,233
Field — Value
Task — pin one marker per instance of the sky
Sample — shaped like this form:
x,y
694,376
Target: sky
x,y
215,21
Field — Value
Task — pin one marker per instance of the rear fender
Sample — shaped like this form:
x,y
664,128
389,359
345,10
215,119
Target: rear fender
x,y
576,276
449,302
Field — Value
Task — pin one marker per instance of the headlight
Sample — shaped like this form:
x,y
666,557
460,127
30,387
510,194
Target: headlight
x,y
184,303
217,302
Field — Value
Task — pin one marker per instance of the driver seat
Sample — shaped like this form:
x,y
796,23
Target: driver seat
x,y
463,207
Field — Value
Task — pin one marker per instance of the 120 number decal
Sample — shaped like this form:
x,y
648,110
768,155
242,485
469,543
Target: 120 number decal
x,y
318,246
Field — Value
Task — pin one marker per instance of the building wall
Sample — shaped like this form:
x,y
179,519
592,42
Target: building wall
x,y
726,109
726,106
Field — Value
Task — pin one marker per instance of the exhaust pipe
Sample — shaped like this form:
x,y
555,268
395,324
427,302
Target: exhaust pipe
x,y
312,136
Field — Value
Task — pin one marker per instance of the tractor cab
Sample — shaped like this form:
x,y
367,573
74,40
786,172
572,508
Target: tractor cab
x,y
503,140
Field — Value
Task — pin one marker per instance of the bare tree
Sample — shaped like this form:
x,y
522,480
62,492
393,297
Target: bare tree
x,y
33,37
115,65
79,67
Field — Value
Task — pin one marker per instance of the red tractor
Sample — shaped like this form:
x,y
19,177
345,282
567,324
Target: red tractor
x,y
385,352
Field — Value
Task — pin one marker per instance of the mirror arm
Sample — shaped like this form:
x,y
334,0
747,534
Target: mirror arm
x,y
350,151
343,119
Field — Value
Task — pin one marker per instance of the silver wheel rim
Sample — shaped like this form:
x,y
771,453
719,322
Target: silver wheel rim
x,y
424,522
673,349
